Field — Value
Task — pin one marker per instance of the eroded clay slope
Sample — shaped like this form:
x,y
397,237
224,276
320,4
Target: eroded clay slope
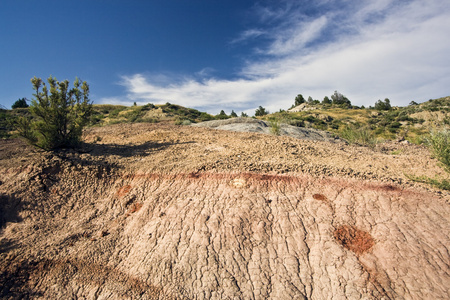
x,y
112,224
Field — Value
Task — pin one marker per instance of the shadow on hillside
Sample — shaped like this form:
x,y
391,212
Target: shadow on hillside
x,y
101,159
14,281
144,149
9,210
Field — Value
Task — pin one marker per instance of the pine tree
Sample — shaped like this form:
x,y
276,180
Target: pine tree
x,y
222,115
299,99
21,103
59,113
261,111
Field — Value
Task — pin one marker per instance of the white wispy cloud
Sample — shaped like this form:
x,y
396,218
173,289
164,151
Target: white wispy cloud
x,y
248,35
295,38
368,51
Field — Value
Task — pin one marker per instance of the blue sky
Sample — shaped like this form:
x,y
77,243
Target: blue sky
x,y
213,55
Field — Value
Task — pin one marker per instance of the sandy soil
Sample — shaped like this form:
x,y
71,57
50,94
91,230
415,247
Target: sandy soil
x,y
154,211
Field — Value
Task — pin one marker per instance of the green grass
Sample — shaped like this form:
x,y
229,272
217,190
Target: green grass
x,y
274,127
442,184
439,143
397,152
362,135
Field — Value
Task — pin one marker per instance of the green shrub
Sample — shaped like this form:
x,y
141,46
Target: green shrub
x,y
148,106
296,122
59,114
439,142
205,117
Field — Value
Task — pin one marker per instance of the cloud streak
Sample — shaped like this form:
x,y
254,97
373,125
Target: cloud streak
x,y
370,51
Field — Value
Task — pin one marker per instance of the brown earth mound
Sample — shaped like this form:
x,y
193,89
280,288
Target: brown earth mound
x,y
148,211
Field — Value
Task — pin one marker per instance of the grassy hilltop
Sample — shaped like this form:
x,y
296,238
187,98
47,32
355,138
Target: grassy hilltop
x,y
355,124
368,125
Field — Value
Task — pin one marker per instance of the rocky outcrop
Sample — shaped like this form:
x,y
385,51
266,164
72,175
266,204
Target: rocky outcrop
x,y
260,126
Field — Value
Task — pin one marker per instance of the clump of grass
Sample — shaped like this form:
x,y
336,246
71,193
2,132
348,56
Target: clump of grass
x,y
275,127
183,122
439,143
442,184
362,135
397,152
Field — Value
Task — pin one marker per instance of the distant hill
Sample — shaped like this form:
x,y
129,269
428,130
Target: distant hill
x,y
411,122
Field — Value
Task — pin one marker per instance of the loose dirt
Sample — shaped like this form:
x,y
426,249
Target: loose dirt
x,y
154,211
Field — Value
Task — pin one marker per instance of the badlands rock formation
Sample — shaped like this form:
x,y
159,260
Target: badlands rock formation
x,y
151,211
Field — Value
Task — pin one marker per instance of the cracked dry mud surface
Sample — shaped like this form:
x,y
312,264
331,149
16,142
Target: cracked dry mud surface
x,y
153,211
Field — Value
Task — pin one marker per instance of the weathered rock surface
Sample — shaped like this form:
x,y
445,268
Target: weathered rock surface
x,y
165,212
260,126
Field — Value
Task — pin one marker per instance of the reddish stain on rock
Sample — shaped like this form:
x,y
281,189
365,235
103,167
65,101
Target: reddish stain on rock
x,y
135,207
353,239
320,197
123,191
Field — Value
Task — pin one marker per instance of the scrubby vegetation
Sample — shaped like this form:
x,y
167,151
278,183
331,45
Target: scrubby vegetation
x,y
369,125
358,135
58,114
364,126
439,142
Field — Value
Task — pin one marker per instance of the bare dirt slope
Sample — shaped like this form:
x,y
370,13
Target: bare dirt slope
x,y
151,211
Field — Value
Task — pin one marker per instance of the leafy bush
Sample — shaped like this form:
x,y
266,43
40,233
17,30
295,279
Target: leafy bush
x,y
439,142
58,117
